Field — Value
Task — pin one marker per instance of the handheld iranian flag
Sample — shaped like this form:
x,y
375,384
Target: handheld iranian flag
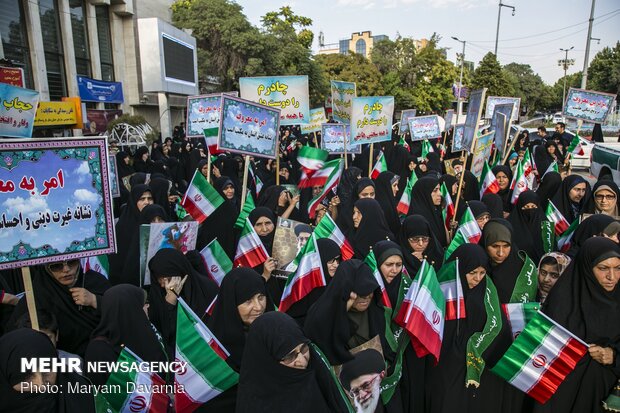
x,y
138,389
554,216
566,239
468,231
426,148
528,164
518,184
540,358
311,159
380,166
216,261
518,315
422,313
371,260
450,284
258,184
405,199
308,276
575,147
98,263
448,209
488,181
327,228
250,249
329,185
248,206
201,199
552,168
211,135
403,142
320,177
206,373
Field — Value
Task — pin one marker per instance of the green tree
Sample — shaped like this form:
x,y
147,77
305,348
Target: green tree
x,y
351,68
489,74
604,71
529,87
572,80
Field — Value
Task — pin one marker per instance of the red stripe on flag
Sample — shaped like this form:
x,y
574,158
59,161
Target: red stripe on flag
x,y
451,309
424,339
302,287
559,368
193,210
247,259
182,402
346,251
218,350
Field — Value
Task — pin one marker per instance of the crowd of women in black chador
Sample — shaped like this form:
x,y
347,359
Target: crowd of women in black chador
x,y
286,360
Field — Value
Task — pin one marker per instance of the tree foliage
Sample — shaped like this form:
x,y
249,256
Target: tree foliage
x,y
490,74
604,71
352,68
534,93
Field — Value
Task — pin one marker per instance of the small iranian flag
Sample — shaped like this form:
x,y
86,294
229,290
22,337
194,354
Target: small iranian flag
x,y
450,284
403,142
201,199
566,239
320,177
311,159
330,184
216,261
518,315
211,135
371,260
540,358
448,209
258,184
575,147
468,232
554,216
308,276
552,168
528,164
426,148
327,228
98,263
250,249
143,397
248,206
380,166
405,199
488,181
206,373
422,313
518,184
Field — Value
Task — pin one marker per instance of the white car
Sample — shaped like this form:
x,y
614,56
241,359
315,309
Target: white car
x,y
578,161
557,117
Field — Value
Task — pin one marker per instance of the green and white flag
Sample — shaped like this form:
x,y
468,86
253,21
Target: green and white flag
x,y
216,261
201,198
248,207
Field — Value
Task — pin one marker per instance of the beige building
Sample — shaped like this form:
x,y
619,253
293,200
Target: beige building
x,y
360,43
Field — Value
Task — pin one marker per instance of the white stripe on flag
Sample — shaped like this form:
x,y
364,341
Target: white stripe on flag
x,y
193,383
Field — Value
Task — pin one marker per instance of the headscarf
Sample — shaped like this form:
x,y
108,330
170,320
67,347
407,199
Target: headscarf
x,y
138,164
122,168
422,204
269,199
449,180
417,225
398,162
361,185
386,199
384,250
600,185
160,189
433,164
238,286
265,385
255,215
495,205
542,157
590,227
527,225
471,192
478,208
549,185
562,201
372,227
504,194
504,275
328,250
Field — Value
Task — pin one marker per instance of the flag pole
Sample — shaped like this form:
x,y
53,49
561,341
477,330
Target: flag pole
x,y
208,165
512,145
370,162
345,149
246,167
458,194
32,307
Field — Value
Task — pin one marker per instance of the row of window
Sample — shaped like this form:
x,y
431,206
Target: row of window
x,y
15,41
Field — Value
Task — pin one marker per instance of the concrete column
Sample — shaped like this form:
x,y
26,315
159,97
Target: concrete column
x,y
67,47
93,44
164,115
35,44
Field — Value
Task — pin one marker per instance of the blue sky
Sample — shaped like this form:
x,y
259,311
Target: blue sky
x,y
533,36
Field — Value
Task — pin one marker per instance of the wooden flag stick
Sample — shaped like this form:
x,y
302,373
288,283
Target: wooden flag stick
x,y
246,168
32,307
345,150
208,165
370,160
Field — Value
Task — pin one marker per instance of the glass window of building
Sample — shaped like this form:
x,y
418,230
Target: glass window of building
x,y
80,37
14,38
360,47
52,46
105,43
344,46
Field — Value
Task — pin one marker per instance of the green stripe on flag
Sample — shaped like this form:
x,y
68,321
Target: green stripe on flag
x,y
117,399
211,132
201,184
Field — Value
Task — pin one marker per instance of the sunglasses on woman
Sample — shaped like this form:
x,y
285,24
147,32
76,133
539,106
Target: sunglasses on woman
x,y
59,266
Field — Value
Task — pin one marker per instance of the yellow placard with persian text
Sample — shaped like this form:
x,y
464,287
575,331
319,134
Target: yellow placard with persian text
x,y
55,114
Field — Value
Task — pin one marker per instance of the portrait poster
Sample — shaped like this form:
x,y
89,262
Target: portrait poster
x,y
342,100
333,136
55,198
371,119
500,125
424,127
289,94
289,238
457,138
115,188
449,119
474,111
248,128
404,119
482,152
588,105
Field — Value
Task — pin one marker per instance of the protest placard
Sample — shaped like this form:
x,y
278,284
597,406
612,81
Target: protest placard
x,y
203,112
115,188
449,118
474,110
289,94
18,107
371,119
317,118
500,123
482,153
588,105
55,198
333,136
289,238
55,114
493,101
457,138
154,237
342,96
248,128
404,119
424,127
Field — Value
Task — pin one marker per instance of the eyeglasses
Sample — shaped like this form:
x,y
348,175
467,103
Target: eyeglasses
x,y
605,197
292,356
417,240
59,266
364,387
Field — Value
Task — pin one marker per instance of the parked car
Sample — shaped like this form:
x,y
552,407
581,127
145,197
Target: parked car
x,y
606,158
557,117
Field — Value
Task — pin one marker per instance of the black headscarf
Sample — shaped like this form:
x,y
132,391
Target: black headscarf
x,y
527,225
413,226
422,204
255,215
588,228
265,385
504,194
504,275
549,186
597,133
348,196
542,157
122,168
601,184
269,198
372,227
238,286
140,165
384,250
385,197
495,205
471,192
562,201
449,180
160,189
478,208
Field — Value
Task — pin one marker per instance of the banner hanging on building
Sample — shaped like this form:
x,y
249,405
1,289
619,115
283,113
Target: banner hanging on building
x,y
92,90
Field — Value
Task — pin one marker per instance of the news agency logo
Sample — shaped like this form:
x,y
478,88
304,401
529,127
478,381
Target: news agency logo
x,y
72,365
50,365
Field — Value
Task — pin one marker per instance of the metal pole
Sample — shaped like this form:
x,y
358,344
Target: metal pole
x,y
565,68
584,76
499,15
459,102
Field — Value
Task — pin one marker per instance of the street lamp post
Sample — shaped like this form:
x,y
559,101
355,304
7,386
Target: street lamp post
x,y
499,15
459,102
566,63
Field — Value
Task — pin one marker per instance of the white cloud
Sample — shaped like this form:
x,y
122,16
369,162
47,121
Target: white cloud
x,y
84,195
26,206
82,169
